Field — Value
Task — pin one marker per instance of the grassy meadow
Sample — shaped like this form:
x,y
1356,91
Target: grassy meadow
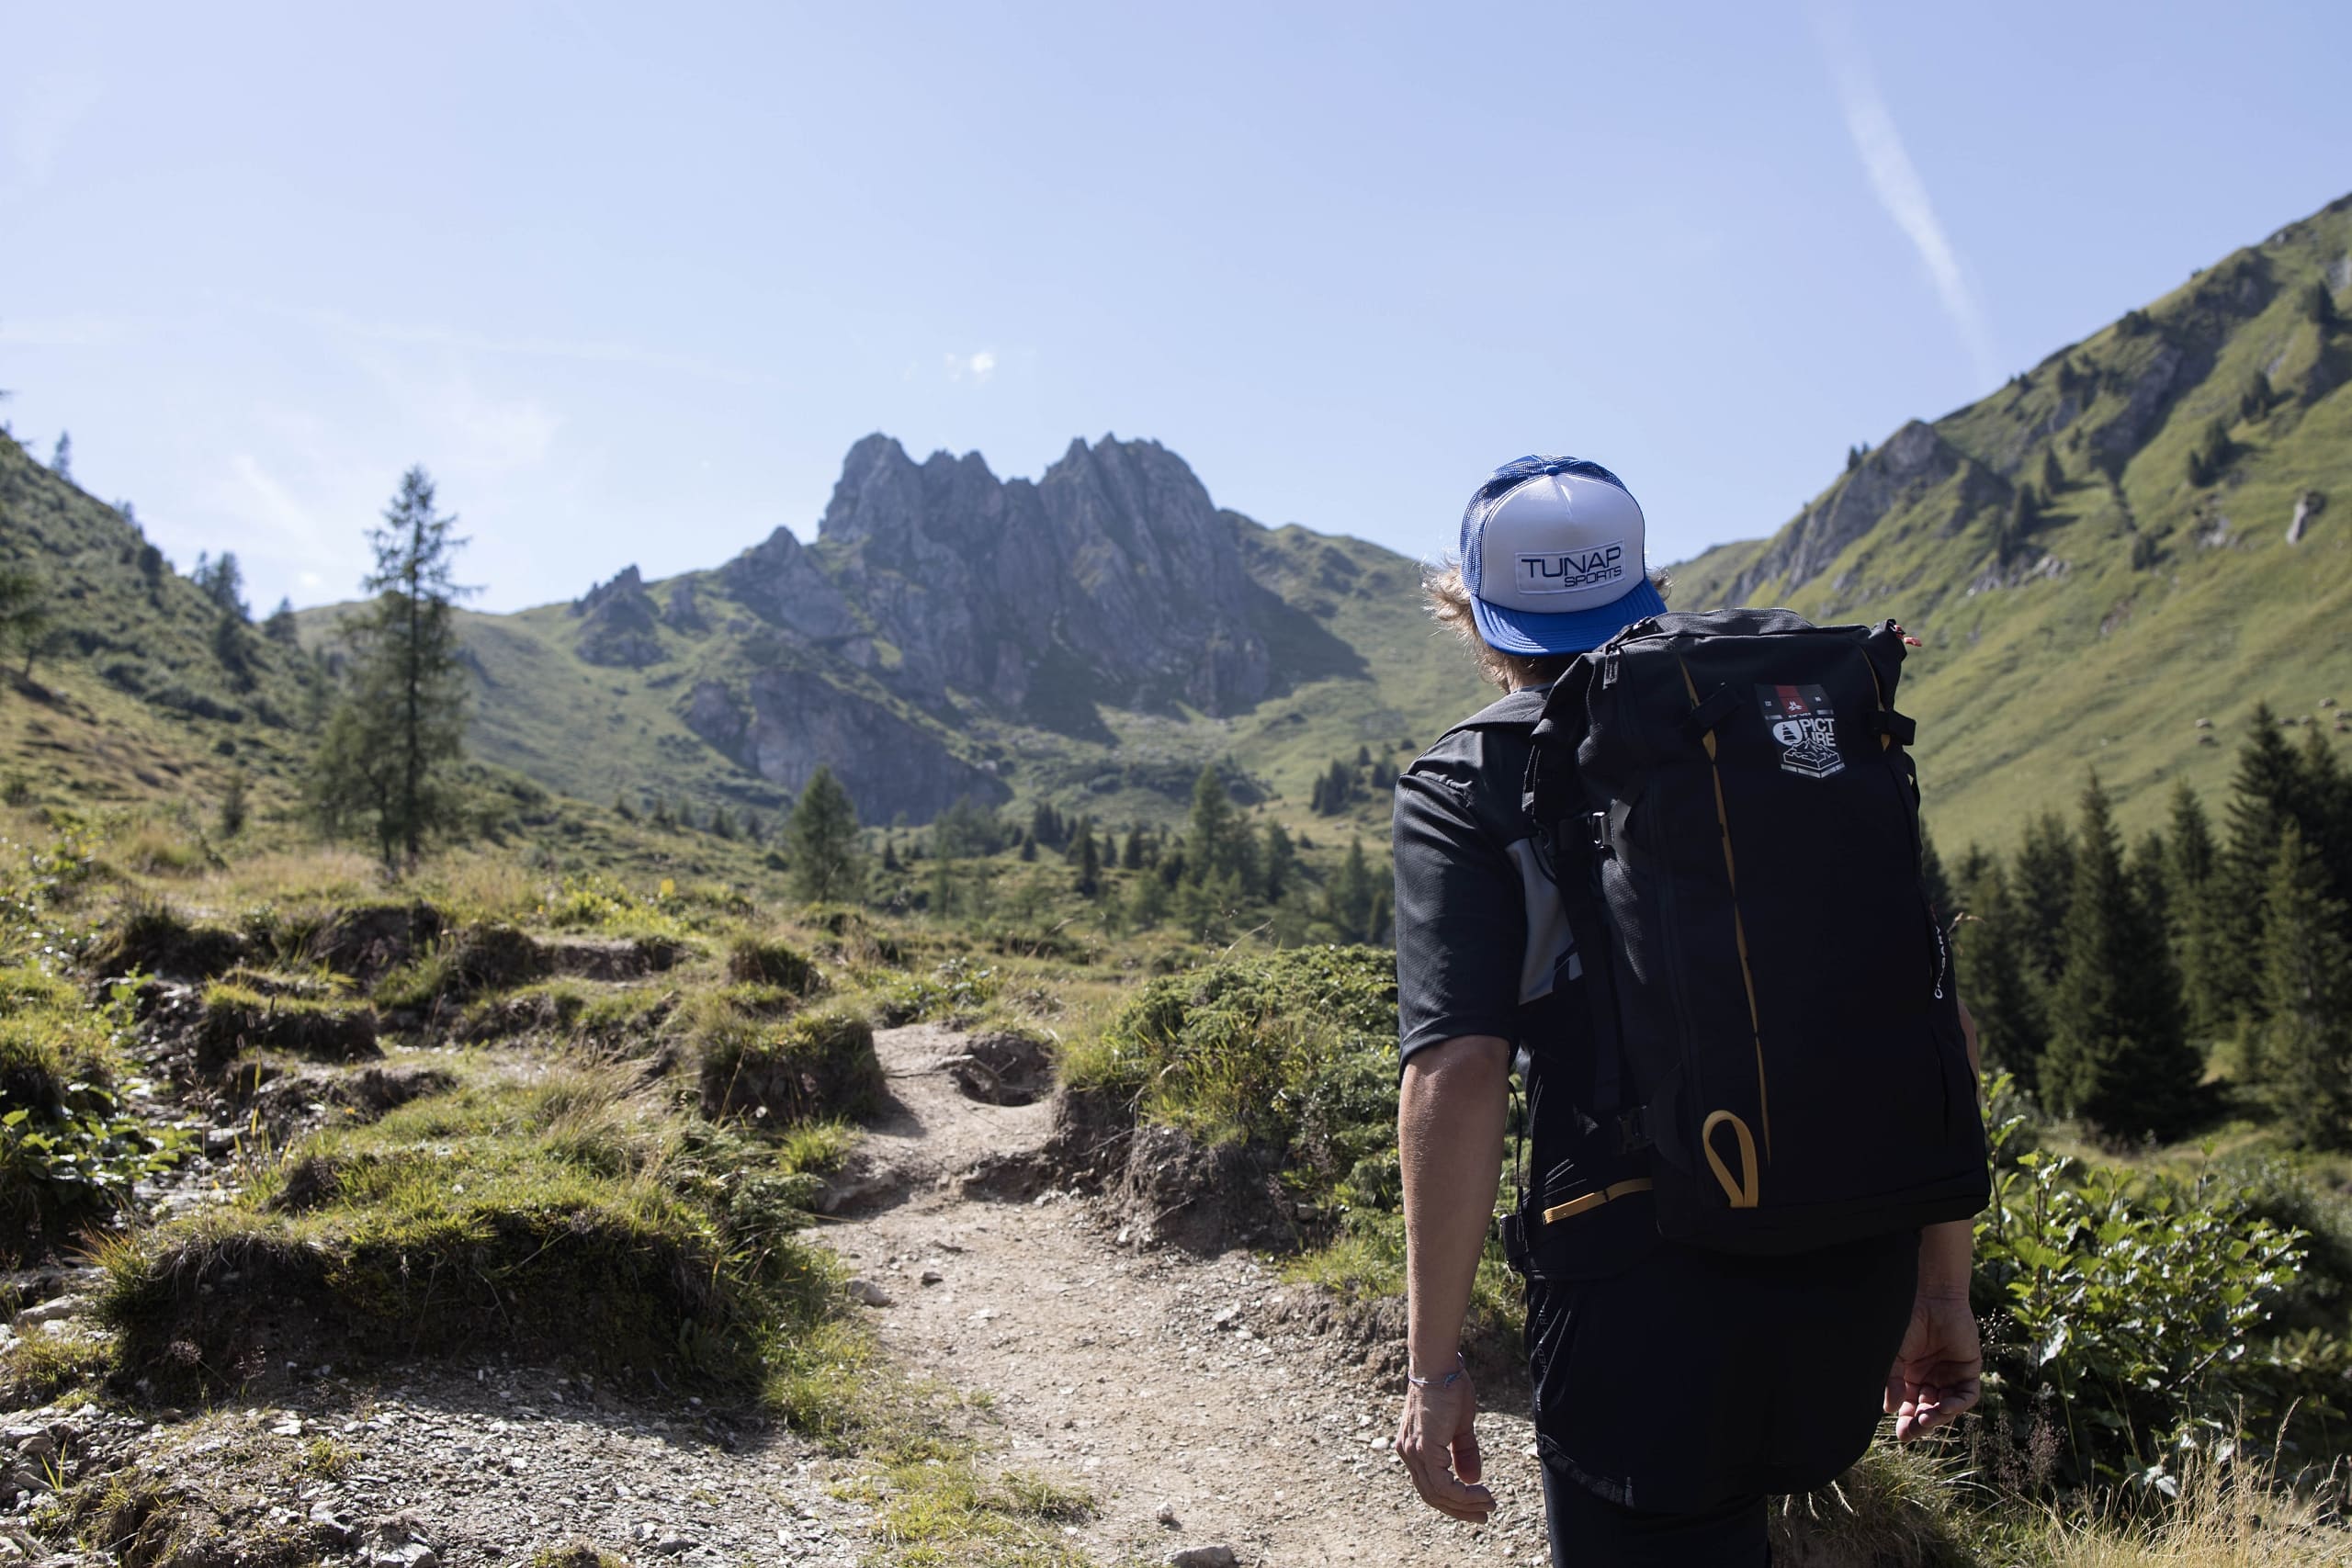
x,y
495,1083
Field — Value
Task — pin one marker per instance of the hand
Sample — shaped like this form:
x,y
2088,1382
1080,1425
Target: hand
x,y
1939,1373
1438,1427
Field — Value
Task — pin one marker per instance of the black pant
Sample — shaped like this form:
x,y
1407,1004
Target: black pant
x,y
1589,1531
1683,1380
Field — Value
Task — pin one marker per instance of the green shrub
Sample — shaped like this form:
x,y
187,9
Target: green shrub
x,y
1295,1049
609,907
820,1063
756,961
2127,1312
64,1167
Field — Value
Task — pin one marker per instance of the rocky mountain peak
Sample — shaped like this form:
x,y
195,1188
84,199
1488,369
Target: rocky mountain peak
x,y
1110,578
616,622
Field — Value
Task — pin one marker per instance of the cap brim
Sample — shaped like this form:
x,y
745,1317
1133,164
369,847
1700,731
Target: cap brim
x,y
1529,635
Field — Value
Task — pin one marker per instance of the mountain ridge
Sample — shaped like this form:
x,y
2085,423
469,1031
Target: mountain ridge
x,y
2098,556
2108,561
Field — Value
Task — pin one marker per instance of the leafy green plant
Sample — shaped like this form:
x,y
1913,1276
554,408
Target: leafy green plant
x,y
2127,1315
61,1165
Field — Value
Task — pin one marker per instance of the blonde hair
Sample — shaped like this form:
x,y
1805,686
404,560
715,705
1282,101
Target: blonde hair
x,y
1448,599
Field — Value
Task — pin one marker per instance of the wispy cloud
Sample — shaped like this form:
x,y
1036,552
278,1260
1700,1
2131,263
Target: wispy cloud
x,y
1896,181
591,352
976,368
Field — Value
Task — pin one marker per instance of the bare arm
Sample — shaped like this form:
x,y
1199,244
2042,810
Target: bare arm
x,y
1450,1115
1939,1373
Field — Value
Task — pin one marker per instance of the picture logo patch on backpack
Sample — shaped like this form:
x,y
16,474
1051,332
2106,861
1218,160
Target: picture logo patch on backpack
x,y
1805,726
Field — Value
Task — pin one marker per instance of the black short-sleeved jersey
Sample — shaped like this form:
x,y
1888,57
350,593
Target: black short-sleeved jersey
x,y
1482,946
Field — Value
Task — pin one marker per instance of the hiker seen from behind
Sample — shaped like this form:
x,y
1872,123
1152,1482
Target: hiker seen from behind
x,y
1671,884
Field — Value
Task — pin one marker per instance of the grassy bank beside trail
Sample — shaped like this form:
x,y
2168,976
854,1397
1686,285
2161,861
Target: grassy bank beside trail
x,y
2164,1329
593,1114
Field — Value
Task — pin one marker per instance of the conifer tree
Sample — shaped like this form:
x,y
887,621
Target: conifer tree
x,y
23,611
281,628
2043,885
2323,810
1045,825
388,748
821,836
1279,863
2117,1056
1131,857
1995,977
2151,885
2054,478
2191,865
2264,796
2304,1058
1339,788
1089,880
232,648
232,804
1349,902
222,581
1209,839
61,456
1028,847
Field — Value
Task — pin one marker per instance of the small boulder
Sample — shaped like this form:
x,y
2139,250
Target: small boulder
x,y
1003,1068
1218,1556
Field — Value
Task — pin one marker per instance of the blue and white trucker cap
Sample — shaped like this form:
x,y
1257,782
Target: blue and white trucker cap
x,y
1552,554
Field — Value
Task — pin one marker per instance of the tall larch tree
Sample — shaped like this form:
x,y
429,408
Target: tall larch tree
x,y
389,746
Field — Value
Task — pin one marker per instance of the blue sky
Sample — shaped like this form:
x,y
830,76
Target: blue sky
x,y
629,279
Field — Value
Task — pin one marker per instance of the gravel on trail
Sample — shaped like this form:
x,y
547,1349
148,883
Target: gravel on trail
x,y
1187,1396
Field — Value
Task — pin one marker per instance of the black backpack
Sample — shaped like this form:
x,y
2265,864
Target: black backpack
x,y
1727,804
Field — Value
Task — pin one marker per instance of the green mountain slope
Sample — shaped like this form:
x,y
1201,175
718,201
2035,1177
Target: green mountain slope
x,y
1363,666
2097,556
138,692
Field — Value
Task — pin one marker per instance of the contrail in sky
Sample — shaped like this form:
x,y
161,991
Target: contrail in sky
x,y
1896,182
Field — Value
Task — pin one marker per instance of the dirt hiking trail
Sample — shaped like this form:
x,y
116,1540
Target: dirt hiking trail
x,y
1198,1402
1171,1387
